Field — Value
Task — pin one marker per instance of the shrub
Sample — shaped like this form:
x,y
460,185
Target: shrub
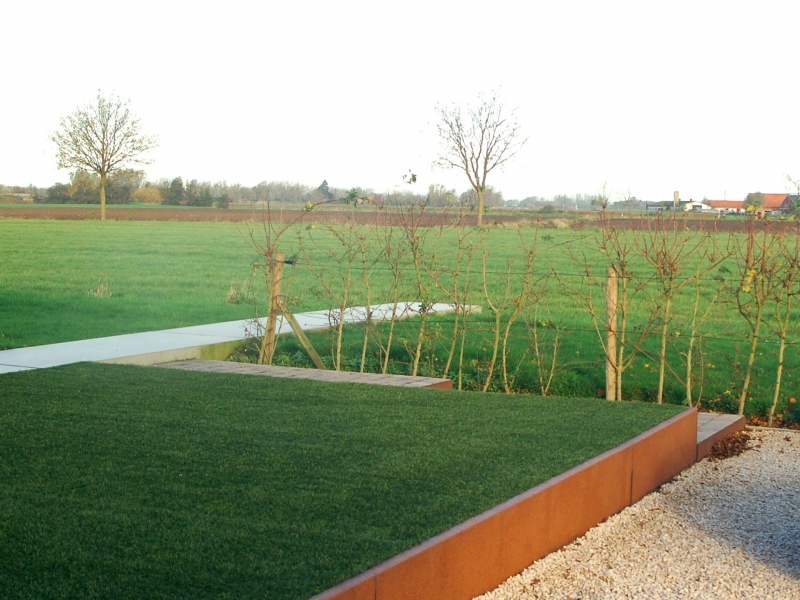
x,y
149,195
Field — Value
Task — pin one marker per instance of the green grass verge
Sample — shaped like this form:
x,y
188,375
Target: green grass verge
x,y
122,481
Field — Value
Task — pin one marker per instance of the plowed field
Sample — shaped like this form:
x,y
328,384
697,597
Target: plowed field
x,y
429,219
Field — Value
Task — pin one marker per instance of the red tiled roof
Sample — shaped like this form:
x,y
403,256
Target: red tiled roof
x,y
726,203
774,200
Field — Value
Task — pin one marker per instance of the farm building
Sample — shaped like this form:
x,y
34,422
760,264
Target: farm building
x,y
728,206
692,206
779,203
773,204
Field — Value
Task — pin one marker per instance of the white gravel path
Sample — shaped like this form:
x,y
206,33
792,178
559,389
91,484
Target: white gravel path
x,y
724,529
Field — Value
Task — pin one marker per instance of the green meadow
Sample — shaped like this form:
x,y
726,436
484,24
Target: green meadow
x,y
68,280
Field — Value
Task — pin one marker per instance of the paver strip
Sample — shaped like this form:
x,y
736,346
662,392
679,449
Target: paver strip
x,y
712,427
220,366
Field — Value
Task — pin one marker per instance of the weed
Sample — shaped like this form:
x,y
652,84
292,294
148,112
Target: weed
x,y
103,290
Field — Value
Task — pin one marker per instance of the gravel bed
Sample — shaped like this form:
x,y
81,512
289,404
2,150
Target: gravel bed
x,y
721,529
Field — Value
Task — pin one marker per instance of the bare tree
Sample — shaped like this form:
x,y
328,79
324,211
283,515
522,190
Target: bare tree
x,y
669,247
794,182
484,138
602,198
101,137
758,260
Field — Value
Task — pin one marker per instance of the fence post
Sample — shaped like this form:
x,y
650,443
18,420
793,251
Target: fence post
x,y
611,334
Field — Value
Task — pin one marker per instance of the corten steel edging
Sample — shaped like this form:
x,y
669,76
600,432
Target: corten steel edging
x,y
663,452
704,447
479,554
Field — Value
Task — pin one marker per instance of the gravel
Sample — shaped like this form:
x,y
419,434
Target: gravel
x,y
721,529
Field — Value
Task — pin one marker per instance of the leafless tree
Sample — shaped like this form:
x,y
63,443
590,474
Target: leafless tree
x,y
784,295
101,137
758,260
794,182
477,142
669,247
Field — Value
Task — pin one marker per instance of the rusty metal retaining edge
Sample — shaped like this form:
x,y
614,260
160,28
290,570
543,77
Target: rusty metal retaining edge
x,y
479,554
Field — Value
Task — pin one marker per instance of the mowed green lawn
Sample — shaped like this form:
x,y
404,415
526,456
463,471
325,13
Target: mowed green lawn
x,y
120,481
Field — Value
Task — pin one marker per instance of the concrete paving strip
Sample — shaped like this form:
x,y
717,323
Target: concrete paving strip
x,y
174,343
712,427
218,366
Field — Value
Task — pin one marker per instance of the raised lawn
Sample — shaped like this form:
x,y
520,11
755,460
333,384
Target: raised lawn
x,y
120,481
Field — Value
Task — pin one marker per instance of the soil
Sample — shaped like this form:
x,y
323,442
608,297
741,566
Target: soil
x,y
697,223
429,219
118,213
777,423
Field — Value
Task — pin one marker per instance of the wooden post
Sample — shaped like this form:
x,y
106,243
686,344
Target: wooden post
x,y
304,341
274,308
611,334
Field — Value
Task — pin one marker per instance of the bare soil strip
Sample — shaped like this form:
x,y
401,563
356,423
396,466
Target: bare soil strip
x,y
428,219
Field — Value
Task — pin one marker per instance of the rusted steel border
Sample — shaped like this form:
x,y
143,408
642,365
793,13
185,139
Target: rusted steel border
x,y
479,554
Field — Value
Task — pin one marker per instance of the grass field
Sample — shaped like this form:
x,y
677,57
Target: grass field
x,y
158,275
64,280
123,481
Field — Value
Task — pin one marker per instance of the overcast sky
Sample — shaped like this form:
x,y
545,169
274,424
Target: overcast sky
x,y
700,97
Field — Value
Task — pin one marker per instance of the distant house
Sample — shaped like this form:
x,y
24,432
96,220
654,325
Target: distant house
x,y
727,206
659,206
773,204
779,203
692,206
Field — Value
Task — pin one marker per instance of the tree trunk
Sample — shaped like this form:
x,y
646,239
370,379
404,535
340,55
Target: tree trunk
x,y
275,275
662,354
776,396
102,196
481,195
782,333
612,290
750,360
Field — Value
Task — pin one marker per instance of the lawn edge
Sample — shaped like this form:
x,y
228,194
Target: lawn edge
x,y
482,552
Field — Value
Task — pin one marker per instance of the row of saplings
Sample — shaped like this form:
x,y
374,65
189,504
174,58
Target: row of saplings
x,y
649,301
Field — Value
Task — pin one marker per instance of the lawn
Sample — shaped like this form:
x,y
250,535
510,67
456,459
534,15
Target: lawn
x,y
121,481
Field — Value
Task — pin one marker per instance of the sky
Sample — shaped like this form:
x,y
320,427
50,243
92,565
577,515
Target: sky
x,y
646,98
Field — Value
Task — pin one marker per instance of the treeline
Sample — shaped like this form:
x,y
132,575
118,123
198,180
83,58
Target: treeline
x,y
128,185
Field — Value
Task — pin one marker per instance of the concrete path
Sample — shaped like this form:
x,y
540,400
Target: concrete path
x,y
220,366
712,427
153,347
